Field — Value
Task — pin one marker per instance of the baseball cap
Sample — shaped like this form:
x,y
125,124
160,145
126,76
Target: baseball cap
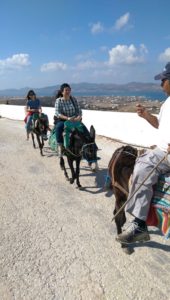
x,y
165,73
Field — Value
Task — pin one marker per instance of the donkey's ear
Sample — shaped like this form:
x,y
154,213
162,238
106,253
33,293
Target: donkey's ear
x,y
92,132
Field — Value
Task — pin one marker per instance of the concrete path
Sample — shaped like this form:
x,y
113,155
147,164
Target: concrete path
x,y
57,242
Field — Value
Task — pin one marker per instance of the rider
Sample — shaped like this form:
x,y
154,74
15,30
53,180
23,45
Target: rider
x,y
139,201
66,109
33,105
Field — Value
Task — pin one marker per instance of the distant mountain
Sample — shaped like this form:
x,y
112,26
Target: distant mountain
x,y
89,89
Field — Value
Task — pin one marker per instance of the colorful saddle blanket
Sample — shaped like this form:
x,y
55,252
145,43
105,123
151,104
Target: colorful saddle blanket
x,y
159,214
69,126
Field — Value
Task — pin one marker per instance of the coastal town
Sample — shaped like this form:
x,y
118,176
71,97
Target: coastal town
x,y
104,103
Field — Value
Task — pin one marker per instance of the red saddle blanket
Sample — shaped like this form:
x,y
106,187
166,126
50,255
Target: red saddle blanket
x,y
159,214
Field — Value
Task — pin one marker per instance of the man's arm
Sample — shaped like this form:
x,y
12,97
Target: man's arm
x,y
143,113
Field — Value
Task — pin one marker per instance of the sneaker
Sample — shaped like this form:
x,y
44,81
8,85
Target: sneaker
x,y
133,234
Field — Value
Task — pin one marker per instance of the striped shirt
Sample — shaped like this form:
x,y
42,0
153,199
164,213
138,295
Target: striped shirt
x,y
68,108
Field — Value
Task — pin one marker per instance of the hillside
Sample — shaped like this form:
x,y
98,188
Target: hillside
x,y
89,89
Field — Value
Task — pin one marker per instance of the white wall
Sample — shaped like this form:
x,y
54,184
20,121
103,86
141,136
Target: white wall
x,y
126,127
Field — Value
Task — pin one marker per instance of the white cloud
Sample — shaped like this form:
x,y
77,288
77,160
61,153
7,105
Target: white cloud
x,y
97,28
127,55
16,61
53,66
88,64
122,21
165,56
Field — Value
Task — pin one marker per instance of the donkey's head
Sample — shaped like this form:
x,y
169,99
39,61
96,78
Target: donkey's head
x,y
128,155
90,147
41,125
84,144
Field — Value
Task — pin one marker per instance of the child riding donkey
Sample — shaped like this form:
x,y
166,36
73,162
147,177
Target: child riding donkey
x,y
33,113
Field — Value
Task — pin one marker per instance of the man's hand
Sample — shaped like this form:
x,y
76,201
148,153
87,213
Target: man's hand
x,y
141,110
143,113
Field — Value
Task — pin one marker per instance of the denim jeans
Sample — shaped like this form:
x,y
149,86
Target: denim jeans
x,y
29,123
59,128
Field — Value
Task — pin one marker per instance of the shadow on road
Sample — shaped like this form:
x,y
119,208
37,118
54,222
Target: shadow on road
x,y
99,178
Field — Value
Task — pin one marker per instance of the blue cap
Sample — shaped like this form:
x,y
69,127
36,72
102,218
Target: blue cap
x,y
165,74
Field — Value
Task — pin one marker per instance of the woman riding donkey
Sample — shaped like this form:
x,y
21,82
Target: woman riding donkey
x,y
67,109
33,111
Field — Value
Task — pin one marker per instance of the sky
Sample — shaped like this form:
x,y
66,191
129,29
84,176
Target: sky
x,y
45,43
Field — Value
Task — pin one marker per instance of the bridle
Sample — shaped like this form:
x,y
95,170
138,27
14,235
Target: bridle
x,y
67,150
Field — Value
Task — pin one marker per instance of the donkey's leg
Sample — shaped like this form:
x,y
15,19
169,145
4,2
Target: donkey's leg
x,y
119,220
40,144
62,166
42,141
33,140
70,162
96,167
78,172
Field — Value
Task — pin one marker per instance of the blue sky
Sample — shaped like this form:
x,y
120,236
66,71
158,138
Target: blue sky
x,y
99,41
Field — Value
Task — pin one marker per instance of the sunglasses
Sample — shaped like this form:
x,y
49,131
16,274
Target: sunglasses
x,y
31,94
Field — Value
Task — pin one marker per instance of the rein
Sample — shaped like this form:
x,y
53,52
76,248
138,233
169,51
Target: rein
x,y
81,151
114,182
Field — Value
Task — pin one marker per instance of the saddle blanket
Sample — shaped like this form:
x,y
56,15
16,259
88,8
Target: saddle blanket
x,y
68,127
159,214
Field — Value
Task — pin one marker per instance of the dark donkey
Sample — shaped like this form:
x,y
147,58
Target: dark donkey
x,y
40,126
80,146
120,169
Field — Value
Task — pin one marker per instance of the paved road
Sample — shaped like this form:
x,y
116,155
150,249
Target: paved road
x,y
57,242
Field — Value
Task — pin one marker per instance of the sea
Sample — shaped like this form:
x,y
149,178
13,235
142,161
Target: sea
x,y
160,96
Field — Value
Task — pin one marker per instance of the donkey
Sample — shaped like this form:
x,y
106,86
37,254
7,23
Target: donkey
x,y
40,126
120,169
81,146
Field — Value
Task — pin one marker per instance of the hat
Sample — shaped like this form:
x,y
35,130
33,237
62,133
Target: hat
x,y
165,74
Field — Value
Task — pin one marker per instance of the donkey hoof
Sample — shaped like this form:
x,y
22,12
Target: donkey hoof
x,y
71,180
126,249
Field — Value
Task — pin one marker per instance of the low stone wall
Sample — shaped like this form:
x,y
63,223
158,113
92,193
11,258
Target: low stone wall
x,y
126,127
